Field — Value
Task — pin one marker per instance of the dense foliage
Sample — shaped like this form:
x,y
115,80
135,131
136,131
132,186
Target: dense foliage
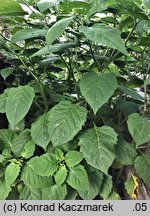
x,y
74,99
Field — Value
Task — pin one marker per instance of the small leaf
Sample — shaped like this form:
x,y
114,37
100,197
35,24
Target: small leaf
x,y
11,8
19,142
39,131
59,154
98,147
65,121
146,3
97,88
104,35
125,152
6,137
78,178
6,72
11,173
29,149
44,165
139,128
73,158
132,185
27,33
57,29
142,166
18,103
55,192
60,175
43,5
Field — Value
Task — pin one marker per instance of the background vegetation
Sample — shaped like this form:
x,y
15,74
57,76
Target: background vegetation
x,y
74,99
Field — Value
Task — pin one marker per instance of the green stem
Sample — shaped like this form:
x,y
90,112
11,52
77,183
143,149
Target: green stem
x,y
92,53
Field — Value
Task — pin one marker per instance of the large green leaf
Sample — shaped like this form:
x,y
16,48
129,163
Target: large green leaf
x,y
4,190
29,150
18,103
32,180
27,33
142,166
97,88
55,192
139,128
54,48
105,35
39,131
27,193
3,99
20,141
78,178
95,182
57,29
73,158
98,147
65,121
44,165
11,173
125,152
10,8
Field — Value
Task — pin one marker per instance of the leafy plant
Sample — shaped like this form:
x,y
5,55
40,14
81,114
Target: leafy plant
x,y
75,94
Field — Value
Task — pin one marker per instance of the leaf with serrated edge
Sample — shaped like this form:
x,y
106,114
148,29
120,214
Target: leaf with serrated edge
x,y
98,147
142,166
18,103
97,88
65,121
139,128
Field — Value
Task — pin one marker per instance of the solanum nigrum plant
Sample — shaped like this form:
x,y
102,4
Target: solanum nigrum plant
x,y
74,99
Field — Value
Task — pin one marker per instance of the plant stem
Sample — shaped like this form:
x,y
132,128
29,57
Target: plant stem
x,y
92,53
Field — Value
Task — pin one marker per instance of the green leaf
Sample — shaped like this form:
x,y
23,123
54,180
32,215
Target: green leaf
x,y
133,94
57,29
95,182
27,33
130,185
146,3
43,5
73,158
27,193
55,192
59,154
125,152
11,173
139,128
11,8
97,88
147,81
39,131
65,121
20,141
29,150
78,178
6,72
3,99
6,137
44,165
56,48
106,187
98,147
18,103
60,175
96,6
32,180
4,190
104,35
142,166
